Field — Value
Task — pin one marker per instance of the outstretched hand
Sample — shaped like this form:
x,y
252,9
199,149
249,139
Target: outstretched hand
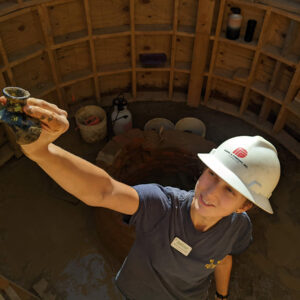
x,y
54,123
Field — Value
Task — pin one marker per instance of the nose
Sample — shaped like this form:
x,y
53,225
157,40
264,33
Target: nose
x,y
211,192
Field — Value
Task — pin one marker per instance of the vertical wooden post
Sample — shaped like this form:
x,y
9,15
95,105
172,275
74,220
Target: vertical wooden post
x,y
173,48
255,62
133,53
214,51
92,49
201,45
46,29
265,110
6,64
294,86
294,83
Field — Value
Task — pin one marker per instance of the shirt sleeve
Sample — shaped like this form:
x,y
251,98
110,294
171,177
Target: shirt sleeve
x,y
153,206
245,235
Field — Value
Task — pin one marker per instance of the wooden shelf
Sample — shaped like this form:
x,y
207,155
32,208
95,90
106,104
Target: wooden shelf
x,y
111,32
275,53
113,69
26,54
239,42
222,106
182,67
262,88
153,29
42,89
294,107
188,31
8,5
70,38
140,68
76,76
227,75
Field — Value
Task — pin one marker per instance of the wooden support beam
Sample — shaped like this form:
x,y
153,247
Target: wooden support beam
x,y
265,110
92,49
275,76
133,47
6,64
290,38
201,45
173,48
255,62
14,291
292,92
47,32
214,51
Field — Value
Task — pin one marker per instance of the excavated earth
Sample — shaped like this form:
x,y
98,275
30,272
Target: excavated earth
x,y
47,233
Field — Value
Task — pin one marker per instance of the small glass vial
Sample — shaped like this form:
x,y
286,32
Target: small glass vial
x,y
234,24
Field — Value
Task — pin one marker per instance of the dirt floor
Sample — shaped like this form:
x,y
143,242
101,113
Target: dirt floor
x,y
47,233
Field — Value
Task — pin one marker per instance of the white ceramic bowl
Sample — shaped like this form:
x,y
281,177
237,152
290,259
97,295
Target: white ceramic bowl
x,y
192,125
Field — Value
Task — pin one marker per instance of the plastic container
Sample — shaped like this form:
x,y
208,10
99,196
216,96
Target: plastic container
x,y
158,123
234,24
191,125
121,117
93,131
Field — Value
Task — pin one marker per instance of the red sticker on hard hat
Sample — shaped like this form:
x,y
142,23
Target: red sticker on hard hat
x,y
240,152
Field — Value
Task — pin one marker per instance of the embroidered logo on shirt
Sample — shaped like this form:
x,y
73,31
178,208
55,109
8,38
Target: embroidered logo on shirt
x,y
211,264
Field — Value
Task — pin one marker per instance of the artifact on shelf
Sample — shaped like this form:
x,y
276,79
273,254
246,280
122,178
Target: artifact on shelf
x,y
251,24
25,128
234,24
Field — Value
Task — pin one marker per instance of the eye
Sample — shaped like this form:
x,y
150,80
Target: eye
x,y
230,190
211,172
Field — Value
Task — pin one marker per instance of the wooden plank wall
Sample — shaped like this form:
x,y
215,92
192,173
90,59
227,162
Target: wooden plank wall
x,y
71,50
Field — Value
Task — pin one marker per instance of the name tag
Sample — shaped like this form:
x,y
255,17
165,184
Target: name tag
x,y
181,246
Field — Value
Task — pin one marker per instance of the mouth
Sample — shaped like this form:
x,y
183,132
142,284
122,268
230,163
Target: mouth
x,y
203,202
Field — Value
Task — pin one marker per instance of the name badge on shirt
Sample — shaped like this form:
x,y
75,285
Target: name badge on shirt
x,y
181,246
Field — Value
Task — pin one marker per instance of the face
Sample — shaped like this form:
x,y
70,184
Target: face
x,y
215,198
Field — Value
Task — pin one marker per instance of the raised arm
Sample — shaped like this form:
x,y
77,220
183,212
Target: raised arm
x,y
87,182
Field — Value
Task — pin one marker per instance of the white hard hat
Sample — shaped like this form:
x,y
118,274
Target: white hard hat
x,y
249,164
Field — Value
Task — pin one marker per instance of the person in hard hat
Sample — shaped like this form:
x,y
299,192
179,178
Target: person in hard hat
x,y
181,236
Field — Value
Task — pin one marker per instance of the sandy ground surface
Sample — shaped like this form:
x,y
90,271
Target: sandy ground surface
x,y
47,233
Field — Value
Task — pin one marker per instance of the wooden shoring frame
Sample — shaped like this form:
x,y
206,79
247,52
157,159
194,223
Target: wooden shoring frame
x,y
201,35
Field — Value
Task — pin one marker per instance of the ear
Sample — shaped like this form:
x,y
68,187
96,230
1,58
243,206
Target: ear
x,y
246,206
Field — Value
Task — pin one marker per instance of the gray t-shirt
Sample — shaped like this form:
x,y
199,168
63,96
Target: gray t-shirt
x,y
153,269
